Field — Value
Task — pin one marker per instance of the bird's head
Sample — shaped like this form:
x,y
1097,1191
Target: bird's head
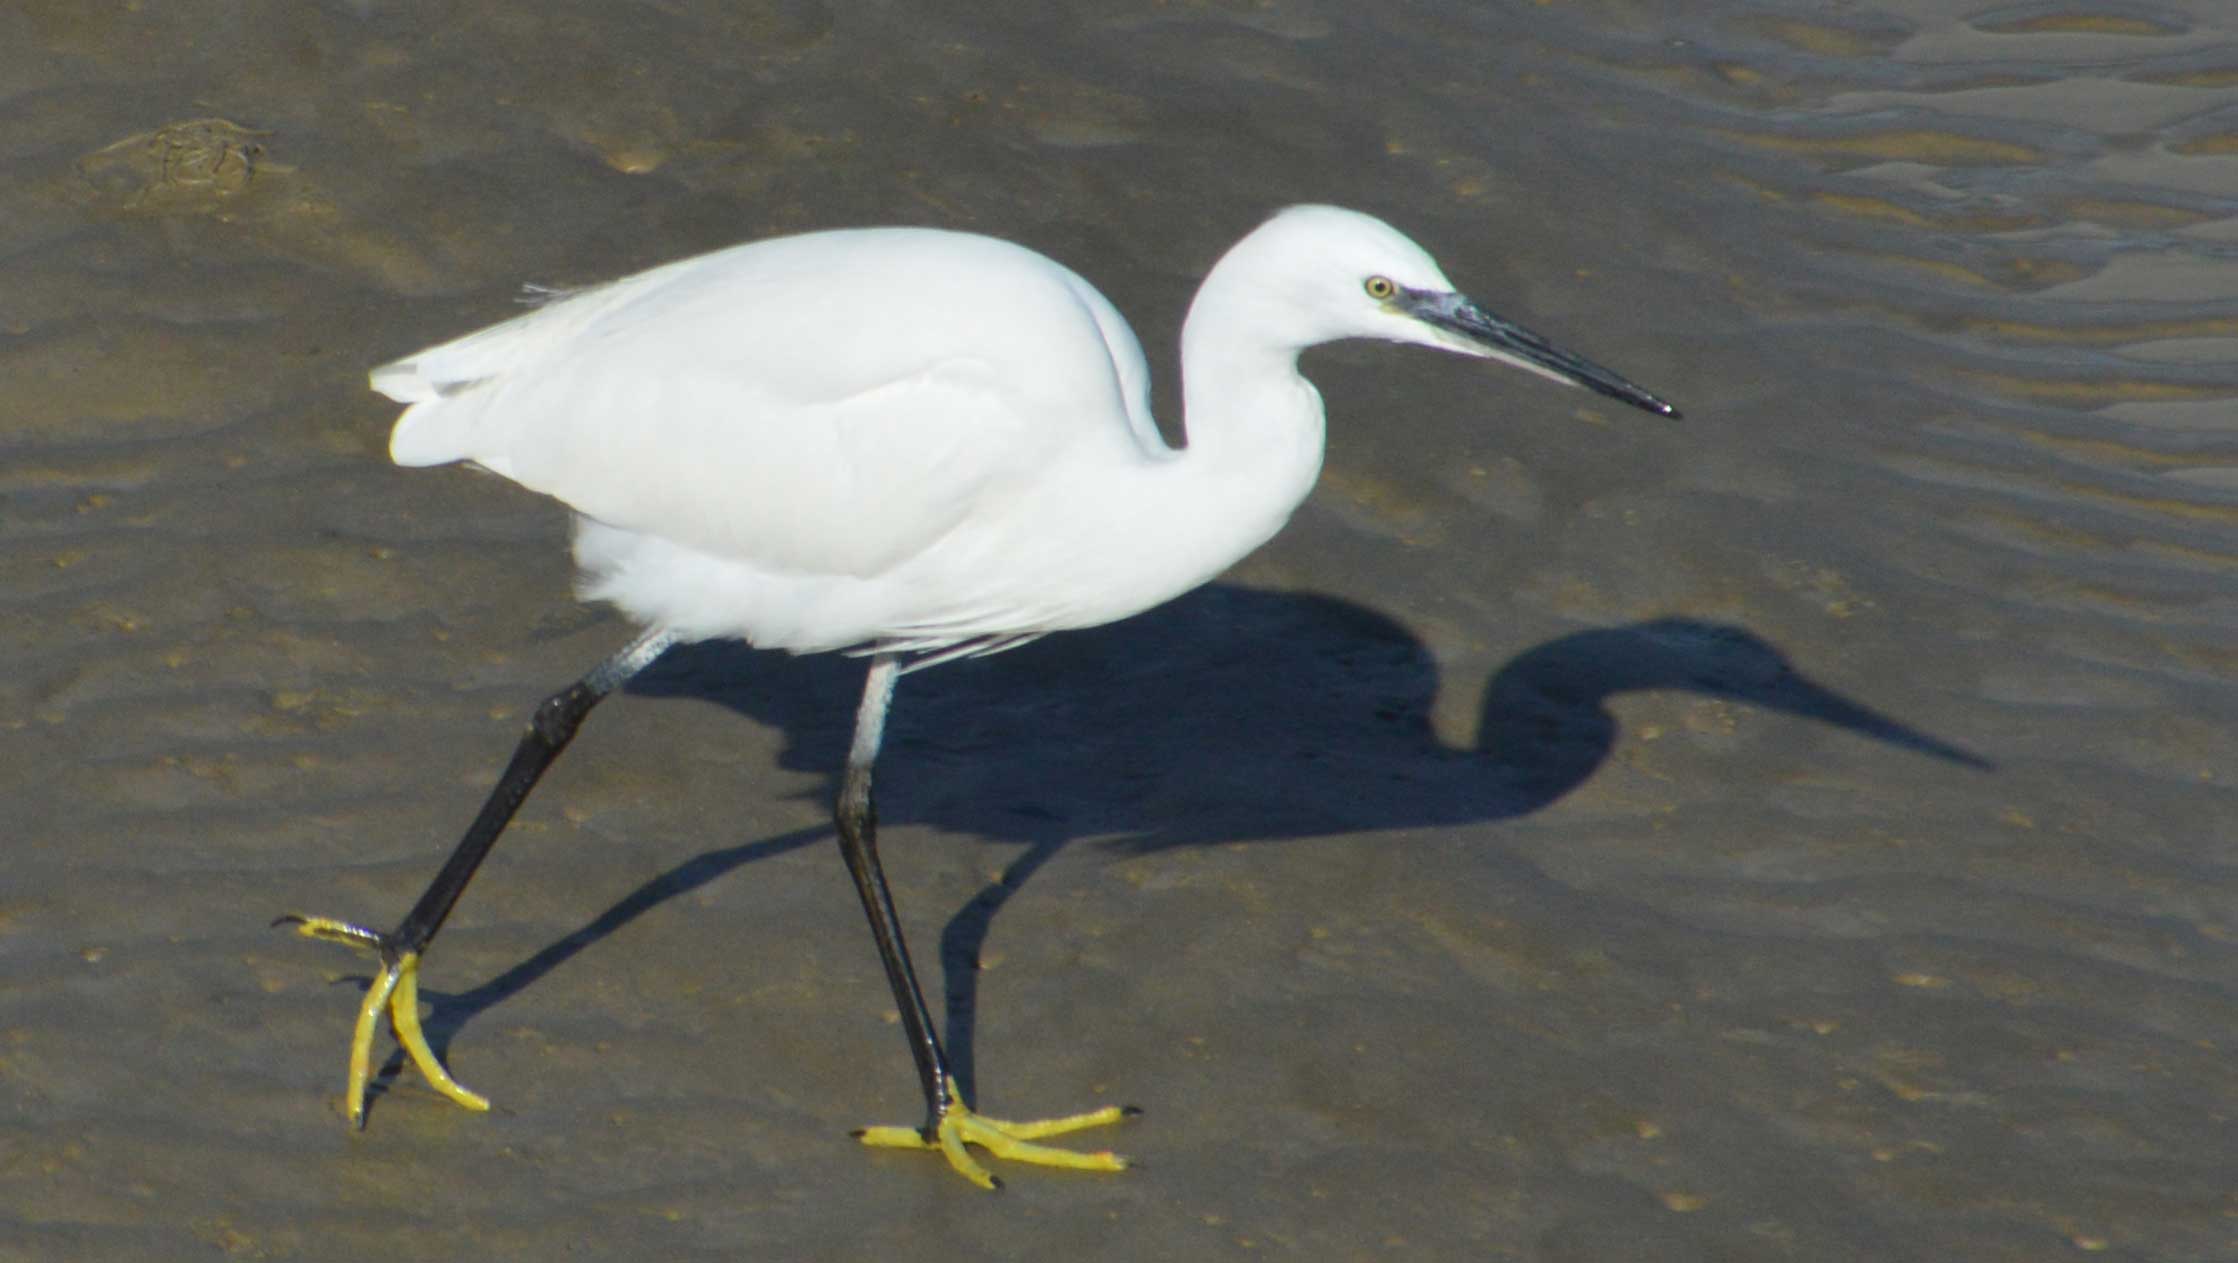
x,y
1315,274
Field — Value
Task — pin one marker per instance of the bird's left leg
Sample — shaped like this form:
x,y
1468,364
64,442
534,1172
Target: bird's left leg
x,y
949,1124
396,989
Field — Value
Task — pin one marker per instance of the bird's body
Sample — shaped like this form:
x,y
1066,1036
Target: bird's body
x,y
904,442
770,468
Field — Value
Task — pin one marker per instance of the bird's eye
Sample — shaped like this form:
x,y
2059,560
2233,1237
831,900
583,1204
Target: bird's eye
x,y
1380,287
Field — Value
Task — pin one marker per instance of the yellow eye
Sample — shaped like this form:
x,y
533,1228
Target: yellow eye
x,y
1380,288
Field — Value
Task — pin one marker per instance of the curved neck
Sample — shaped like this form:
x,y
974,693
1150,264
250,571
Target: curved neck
x,y
1253,428
1244,406
1160,520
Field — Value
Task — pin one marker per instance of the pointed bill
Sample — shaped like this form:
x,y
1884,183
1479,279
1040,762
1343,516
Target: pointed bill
x,y
1478,331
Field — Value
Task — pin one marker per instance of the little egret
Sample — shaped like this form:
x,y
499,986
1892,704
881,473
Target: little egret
x,y
908,444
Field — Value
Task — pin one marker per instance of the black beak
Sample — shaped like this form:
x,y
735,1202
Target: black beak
x,y
1517,345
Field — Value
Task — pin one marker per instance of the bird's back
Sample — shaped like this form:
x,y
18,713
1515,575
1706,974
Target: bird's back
x,y
821,404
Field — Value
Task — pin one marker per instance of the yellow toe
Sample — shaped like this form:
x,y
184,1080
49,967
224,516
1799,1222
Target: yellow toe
x,y
395,991
361,1043
1009,1141
404,1016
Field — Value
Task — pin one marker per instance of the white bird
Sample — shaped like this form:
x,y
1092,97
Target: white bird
x,y
906,443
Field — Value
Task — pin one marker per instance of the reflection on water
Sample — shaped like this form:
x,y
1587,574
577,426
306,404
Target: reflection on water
x,y
1946,290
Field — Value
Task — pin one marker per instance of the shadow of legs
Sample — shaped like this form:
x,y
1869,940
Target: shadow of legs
x,y
960,942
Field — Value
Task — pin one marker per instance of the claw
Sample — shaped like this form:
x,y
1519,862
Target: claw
x,y
1011,1141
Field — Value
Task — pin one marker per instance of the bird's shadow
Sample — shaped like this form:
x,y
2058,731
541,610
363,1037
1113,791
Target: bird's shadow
x,y
1228,715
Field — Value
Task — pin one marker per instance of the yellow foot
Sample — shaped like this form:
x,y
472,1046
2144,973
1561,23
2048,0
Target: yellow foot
x,y
1010,1141
397,989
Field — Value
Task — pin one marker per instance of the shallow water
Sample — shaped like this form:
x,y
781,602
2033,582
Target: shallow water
x,y
1795,832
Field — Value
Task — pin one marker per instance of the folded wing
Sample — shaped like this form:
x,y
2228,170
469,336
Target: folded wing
x,y
826,404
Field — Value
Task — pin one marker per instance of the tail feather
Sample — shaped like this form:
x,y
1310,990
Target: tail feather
x,y
438,382
405,382
425,435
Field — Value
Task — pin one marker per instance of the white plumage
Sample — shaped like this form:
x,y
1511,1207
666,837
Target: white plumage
x,y
909,439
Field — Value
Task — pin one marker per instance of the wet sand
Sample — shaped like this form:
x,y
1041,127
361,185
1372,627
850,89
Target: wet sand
x,y
1799,832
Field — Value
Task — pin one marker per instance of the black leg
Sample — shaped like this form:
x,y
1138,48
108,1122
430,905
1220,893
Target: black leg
x,y
550,729
857,817
950,1124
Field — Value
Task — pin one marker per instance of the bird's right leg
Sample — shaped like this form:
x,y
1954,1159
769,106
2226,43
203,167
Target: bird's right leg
x,y
949,1124
396,989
